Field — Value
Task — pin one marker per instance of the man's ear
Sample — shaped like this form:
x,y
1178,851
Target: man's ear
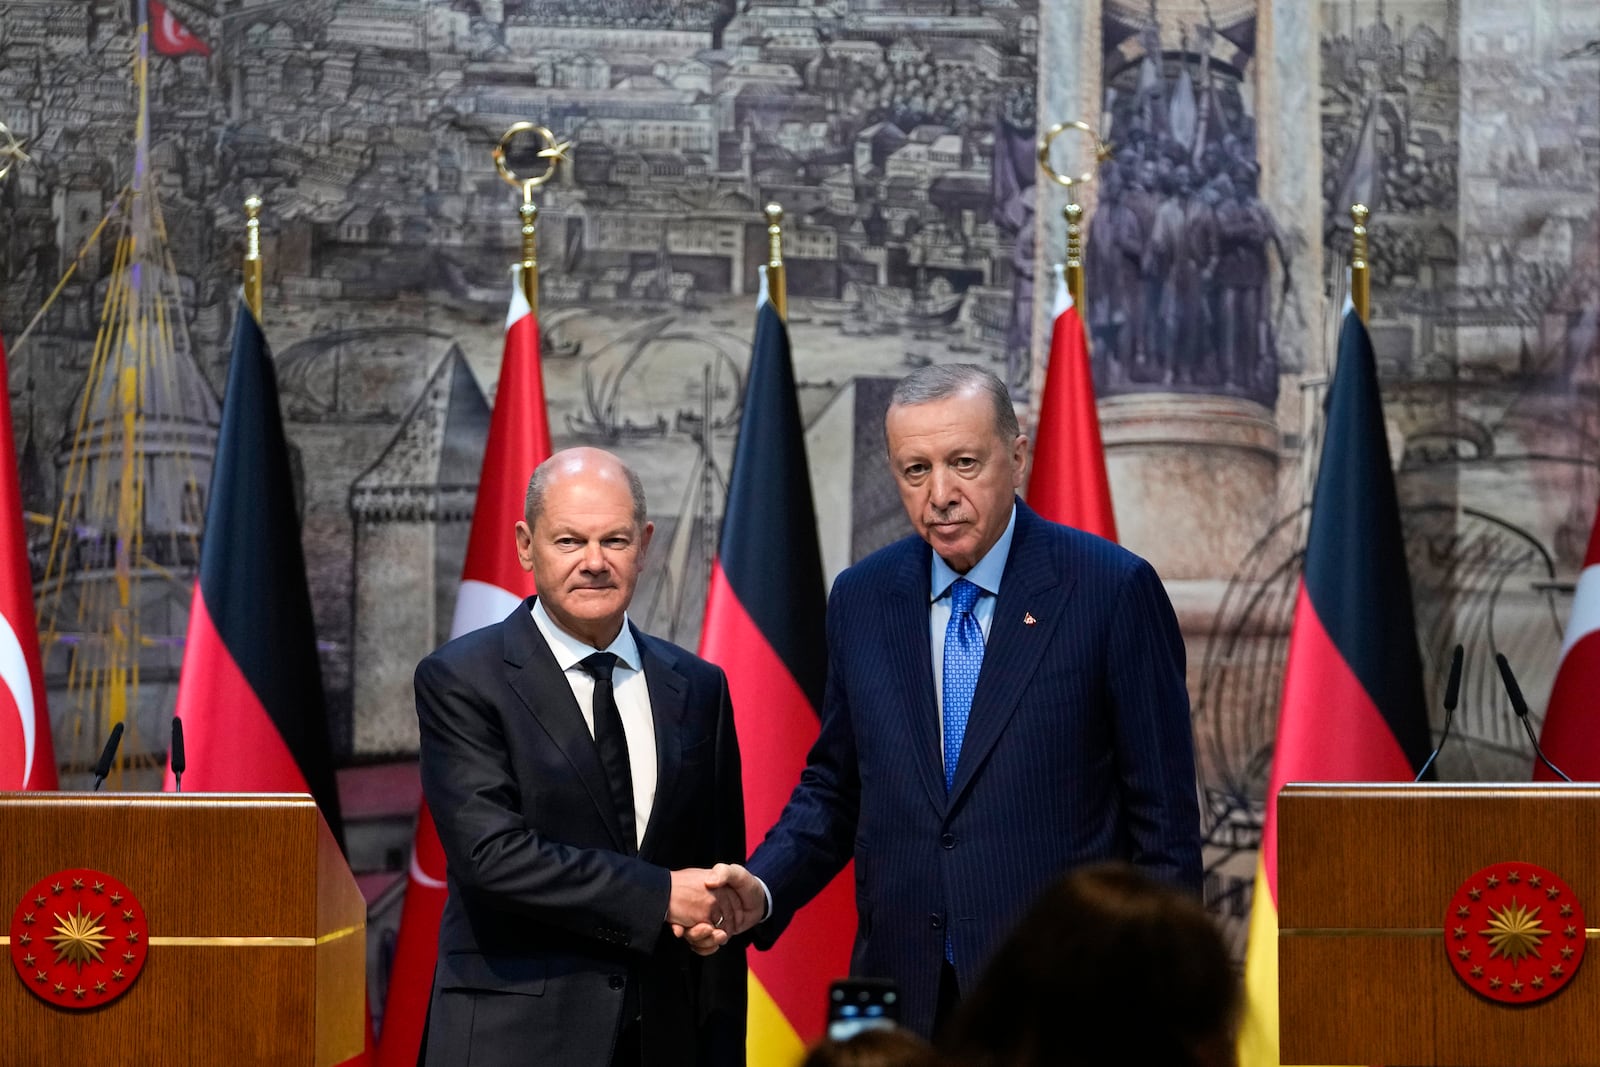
x,y
524,545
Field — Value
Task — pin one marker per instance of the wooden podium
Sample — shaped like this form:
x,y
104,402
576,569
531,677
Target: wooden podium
x,y
1366,876
256,931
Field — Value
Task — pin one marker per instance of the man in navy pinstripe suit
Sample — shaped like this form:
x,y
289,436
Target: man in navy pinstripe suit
x,y
978,742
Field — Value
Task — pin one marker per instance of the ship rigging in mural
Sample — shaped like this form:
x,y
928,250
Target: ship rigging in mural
x,y
131,474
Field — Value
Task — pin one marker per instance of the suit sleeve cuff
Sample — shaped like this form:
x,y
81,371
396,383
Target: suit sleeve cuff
x,y
768,894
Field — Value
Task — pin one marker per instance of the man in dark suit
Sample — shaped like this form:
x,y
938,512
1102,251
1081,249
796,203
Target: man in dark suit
x,y
1005,702
583,776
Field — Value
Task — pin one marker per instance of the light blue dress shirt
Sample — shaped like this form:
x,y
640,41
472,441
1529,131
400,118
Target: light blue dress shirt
x,y
985,574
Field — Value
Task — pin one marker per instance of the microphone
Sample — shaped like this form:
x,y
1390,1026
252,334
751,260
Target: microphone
x,y
1452,694
1520,706
179,763
107,754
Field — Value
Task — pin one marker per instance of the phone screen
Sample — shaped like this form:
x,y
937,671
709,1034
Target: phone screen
x,y
857,1004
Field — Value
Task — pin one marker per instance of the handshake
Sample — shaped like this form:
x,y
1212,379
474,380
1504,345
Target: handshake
x,y
707,907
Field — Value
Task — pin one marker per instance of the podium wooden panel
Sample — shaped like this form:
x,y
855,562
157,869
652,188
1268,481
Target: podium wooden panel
x,y
257,949
1365,876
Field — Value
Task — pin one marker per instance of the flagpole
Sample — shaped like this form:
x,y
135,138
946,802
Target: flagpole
x,y
1073,213
141,137
777,281
252,255
1360,276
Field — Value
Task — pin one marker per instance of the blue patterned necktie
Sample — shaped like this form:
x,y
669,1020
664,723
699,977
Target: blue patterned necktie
x,y
963,659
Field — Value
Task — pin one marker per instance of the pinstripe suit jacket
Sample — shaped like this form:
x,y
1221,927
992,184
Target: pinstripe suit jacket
x,y
1078,749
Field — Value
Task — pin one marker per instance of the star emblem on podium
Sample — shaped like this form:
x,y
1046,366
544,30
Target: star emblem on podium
x,y
1504,934
88,954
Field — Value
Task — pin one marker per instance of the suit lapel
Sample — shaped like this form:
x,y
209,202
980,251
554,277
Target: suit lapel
x,y
668,702
536,678
911,653
1032,587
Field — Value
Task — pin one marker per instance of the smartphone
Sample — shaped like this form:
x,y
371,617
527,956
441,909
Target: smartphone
x,y
857,1004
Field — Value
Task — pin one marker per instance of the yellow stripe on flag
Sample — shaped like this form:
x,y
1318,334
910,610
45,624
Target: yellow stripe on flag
x,y
770,1041
1258,1031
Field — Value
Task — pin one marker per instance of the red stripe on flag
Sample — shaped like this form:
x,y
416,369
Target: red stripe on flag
x,y
1068,483
235,748
1329,729
777,726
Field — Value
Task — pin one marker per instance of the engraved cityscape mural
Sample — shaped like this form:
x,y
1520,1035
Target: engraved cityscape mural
x,y
898,137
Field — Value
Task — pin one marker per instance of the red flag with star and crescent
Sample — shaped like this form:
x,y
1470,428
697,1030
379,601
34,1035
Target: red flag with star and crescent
x,y
1068,483
27,757
1570,736
492,584
170,37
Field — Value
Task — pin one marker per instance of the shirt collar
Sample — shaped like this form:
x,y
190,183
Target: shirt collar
x,y
985,574
570,651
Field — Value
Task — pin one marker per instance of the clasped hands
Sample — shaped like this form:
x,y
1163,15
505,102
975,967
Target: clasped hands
x,y
707,907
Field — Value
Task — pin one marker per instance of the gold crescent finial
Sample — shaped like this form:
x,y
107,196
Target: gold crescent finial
x,y
555,150
1102,152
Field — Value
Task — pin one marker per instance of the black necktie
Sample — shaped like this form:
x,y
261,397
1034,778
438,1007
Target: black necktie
x,y
612,744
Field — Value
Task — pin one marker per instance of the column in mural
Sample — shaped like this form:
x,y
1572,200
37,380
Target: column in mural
x,y
1185,259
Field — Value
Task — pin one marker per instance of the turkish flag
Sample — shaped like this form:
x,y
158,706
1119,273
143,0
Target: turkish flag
x,y
1569,738
492,584
169,36
27,758
1068,483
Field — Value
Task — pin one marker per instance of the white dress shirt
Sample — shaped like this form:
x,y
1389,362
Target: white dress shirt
x,y
632,696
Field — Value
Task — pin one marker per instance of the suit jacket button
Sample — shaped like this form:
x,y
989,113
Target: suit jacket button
x,y
948,840
936,921
617,981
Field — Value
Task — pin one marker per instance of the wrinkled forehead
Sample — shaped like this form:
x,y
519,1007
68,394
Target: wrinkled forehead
x,y
965,419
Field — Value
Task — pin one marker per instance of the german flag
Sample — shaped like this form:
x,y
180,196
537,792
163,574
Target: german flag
x,y
764,627
250,690
1353,706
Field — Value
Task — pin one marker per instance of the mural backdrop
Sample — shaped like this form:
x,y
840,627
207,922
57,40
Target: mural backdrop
x,y
897,134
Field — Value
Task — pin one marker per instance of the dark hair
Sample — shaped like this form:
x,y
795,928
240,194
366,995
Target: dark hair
x,y
539,483
873,1048
1108,966
940,381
